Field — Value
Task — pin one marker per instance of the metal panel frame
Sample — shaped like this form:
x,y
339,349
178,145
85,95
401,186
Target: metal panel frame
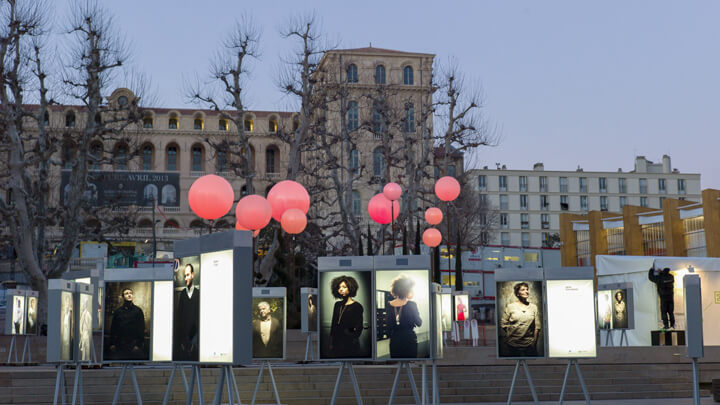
x,y
629,301
528,274
304,293
274,292
55,289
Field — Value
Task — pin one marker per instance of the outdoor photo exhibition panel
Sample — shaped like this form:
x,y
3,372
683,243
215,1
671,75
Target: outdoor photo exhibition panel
x,y
308,310
83,321
15,318
462,310
403,322
223,261
615,306
95,278
138,314
31,327
437,325
447,309
645,311
520,314
269,322
345,295
570,312
61,319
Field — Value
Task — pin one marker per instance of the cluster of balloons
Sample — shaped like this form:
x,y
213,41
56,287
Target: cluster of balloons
x,y
384,207
211,197
446,189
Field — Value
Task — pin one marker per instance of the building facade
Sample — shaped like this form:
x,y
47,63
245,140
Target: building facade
x,y
530,202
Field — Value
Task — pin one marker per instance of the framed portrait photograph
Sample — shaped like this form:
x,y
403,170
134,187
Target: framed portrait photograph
x,y
61,321
268,323
519,318
67,326
18,314
308,310
447,309
345,304
32,312
403,324
461,306
99,313
437,330
186,313
619,307
571,313
84,321
128,317
604,309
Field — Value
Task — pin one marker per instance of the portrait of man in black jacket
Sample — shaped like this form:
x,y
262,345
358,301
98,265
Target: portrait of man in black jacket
x,y
267,331
127,331
187,318
665,283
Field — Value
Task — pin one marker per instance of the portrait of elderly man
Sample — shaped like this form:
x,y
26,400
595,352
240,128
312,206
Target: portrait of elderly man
x,y
521,324
267,333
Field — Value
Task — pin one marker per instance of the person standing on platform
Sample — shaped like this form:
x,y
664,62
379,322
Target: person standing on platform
x,y
665,283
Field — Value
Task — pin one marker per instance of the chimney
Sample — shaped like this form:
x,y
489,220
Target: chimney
x,y
667,168
640,164
539,167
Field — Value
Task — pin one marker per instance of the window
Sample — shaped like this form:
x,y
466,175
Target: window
x,y
615,241
545,221
681,186
622,185
410,118
223,125
273,125
505,238
121,157
379,162
482,182
483,219
96,152
602,184
352,116
694,234
523,201
544,204
643,202
583,203
377,119
147,122
524,221
502,182
352,74
661,202
172,158
603,203
582,248
198,124
408,76
583,184
147,157
525,239
504,221
545,241
221,161
523,183
503,201
356,204
270,156
653,239
563,185
248,124
483,199
354,160
380,74
623,201
543,183
643,186
661,186
70,119
564,203
173,123
197,159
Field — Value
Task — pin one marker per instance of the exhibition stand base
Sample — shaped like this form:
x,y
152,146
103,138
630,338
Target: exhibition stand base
x,y
406,365
78,396
529,380
13,351
609,337
257,384
125,368
580,378
353,378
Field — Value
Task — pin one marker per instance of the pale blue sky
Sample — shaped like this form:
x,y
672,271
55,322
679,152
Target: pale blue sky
x,y
568,82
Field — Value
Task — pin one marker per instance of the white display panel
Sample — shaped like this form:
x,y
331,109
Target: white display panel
x,y
162,321
216,307
571,318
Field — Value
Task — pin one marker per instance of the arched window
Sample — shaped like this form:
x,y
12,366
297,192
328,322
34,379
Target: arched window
x,y
223,125
273,125
198,124
221,161
222,224
377,119
270,159
380,74
148,121
121,157
354,160
356,204
197,158
172,158
147,157
379,162
145,223
96,152
171,224
352,116
409,118
70,119
173,122
408,75
249,124
352,76
197,224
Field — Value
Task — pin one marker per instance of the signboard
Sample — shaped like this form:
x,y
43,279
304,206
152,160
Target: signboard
x,y
571,313
127,188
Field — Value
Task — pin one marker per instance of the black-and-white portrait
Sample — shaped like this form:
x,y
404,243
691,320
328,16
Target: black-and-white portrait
x,y
520,319
31,319
268,327
345,310
186,316
18,315
169,195
85,327
150,193
604,309
312,312
619,309
67,326
127,320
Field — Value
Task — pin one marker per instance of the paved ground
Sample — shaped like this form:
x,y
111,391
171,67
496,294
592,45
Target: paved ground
x,y
671,401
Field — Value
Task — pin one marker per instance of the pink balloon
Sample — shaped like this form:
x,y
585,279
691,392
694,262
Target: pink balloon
x,y
242,228
253,212
379,209
447,188
392,191
293,221
431,237
211,197
433,216
288,194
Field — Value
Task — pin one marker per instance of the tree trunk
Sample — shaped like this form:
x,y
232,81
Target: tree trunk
x,y
458,264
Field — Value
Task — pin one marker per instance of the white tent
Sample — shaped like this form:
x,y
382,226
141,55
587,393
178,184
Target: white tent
x,y
634,269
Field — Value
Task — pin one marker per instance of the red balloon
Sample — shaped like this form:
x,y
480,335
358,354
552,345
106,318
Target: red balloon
x,y
293,221
392,191
380,211
253,212
288,194
447,188
211,197
433,216
431,237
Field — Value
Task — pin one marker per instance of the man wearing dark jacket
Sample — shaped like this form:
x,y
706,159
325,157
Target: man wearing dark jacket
x,y
127,333
665,283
